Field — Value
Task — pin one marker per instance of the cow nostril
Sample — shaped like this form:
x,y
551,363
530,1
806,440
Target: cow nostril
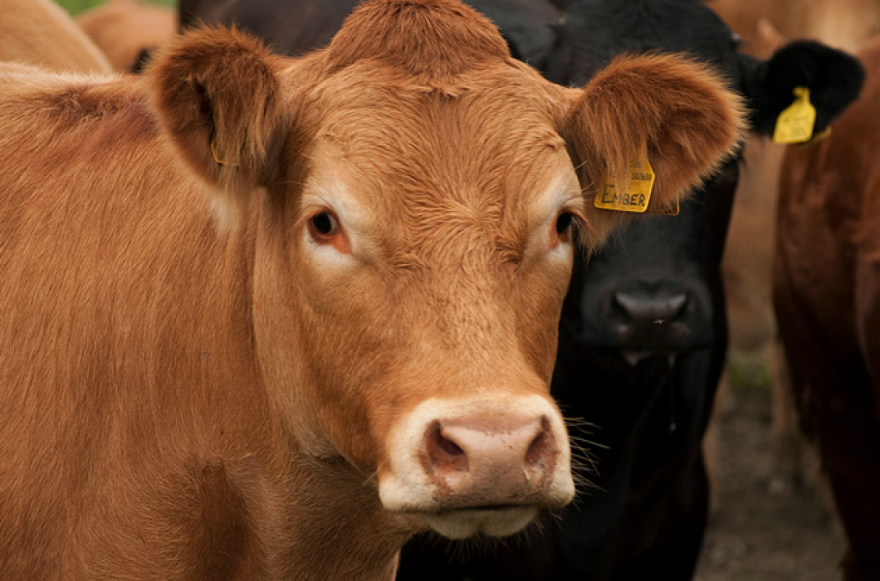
x,y
640,307
540,451
676,305
449,447
618,308
443,453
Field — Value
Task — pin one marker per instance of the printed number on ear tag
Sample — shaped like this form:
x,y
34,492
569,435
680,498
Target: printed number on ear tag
x,y
795,124
636,195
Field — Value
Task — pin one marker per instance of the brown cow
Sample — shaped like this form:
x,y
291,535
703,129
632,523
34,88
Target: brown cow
x,y
826,296
265,318
845,24
124,29
40,32
748,259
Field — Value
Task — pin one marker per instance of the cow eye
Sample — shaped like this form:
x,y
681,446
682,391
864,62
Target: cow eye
x,y
325,229
562,227
563,222
324,225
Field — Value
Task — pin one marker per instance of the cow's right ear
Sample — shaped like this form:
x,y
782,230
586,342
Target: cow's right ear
x,y
218,100
676,111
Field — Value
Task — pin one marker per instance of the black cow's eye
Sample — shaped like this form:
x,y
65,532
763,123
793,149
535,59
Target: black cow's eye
x,y
563,222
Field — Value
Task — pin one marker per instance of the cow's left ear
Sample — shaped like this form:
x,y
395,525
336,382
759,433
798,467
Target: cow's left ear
x,y
833,77
218,100
678,113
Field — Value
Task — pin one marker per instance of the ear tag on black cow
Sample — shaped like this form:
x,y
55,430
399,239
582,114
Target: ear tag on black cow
x,y
795,124
636,196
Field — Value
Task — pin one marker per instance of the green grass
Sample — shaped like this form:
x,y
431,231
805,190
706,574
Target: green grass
x,y
748,373
74,7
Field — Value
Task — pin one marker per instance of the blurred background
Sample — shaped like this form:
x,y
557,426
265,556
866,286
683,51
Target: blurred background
x,y
74,7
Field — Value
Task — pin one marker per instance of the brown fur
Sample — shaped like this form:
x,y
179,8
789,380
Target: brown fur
x,y
40,32
188,402
124,28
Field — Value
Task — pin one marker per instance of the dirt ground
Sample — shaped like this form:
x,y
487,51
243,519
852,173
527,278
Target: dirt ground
x,y
758,532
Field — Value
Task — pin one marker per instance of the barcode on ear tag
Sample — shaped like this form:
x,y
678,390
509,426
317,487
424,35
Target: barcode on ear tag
x,y
795,124
635,196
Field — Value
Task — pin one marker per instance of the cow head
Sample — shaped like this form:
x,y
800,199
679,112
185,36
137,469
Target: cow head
x,y
656,287
413,197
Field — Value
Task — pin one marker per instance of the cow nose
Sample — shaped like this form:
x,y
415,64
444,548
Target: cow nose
x,y
639,308
478,465
510,454
662,317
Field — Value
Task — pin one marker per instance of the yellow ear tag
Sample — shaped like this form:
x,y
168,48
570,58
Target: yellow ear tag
x,y
635,196
795,124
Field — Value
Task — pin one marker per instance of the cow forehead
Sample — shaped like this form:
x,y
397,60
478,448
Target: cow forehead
x,y
480,152
370,97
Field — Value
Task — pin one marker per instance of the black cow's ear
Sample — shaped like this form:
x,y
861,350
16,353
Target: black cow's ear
x,y
833,77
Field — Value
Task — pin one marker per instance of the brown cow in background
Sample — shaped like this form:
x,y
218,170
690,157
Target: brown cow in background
x,y
40,32
748,261
827,298
844,24
266,318
126,29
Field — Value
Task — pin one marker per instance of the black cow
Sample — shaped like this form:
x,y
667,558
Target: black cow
x,y
297,26
643,333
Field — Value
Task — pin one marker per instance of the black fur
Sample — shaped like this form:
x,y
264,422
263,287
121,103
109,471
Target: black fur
x,y
833,77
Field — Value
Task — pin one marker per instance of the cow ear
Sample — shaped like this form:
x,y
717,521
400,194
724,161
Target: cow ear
x,y
833,77
218,100
677,112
